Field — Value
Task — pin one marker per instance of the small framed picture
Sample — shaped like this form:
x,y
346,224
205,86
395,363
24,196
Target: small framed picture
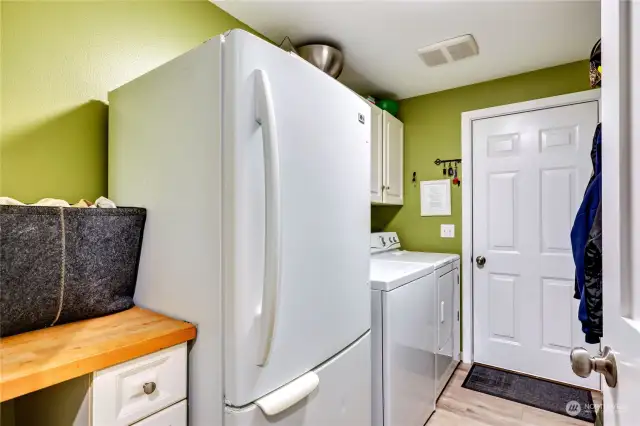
x,y
435,197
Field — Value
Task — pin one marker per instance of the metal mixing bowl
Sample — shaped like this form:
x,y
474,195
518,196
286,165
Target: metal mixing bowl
x,y
327,58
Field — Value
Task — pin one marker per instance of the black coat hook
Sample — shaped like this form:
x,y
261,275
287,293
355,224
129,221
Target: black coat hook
x,y
453,160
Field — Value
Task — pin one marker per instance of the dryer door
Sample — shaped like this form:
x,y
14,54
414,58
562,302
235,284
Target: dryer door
x,y
445,313
444,309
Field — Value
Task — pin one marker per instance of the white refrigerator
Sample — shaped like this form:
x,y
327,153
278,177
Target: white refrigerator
x,y
254,168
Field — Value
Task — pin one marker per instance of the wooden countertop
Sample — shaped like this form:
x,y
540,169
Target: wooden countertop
x,y
38,359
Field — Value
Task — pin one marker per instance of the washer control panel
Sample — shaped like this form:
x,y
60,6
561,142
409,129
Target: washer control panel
x,y
384,241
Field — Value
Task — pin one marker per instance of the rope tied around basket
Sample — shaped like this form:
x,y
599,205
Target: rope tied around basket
x,y
63,265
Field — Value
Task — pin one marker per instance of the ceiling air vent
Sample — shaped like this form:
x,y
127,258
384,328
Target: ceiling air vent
x,y
449,51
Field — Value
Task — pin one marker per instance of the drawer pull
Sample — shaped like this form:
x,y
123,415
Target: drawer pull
x,y
126,393
149,387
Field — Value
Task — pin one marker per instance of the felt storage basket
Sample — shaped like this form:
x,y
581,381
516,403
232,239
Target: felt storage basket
x,y
63,264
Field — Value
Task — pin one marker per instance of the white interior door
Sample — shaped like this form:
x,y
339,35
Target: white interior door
x,y
530,171
377,184
621,206
393,152
296,213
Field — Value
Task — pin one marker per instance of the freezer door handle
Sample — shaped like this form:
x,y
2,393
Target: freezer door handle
x,y
265,116
290,394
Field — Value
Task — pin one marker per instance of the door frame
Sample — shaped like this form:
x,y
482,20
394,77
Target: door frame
x,y
466,261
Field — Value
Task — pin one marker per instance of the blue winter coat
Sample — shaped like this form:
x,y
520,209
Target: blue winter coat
x,y
582,226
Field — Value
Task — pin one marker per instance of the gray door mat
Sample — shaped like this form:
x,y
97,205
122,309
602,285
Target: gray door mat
x,y
534,392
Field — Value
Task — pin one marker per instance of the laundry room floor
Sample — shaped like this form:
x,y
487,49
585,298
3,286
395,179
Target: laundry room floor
x,y
458,406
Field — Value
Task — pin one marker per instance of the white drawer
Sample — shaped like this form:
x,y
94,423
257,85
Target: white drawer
x,y
119,397
176,415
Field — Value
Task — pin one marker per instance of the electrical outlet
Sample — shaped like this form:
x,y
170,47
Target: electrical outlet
x,y
447,231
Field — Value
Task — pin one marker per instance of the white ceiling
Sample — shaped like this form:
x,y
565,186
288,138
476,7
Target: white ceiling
x,y
380,39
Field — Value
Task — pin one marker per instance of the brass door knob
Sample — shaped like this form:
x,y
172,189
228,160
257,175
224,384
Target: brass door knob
x,y
583,364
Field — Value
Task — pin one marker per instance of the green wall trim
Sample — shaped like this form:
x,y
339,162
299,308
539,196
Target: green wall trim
x,y
432,130
58,61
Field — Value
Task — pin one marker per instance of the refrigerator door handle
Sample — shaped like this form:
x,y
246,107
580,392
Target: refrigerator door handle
x,y
265,116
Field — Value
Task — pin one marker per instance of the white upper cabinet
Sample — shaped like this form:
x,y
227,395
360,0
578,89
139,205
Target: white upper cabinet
x,y
377,183
393,141
387,140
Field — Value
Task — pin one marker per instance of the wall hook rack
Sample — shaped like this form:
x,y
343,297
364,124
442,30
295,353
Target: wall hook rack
x,y
453,160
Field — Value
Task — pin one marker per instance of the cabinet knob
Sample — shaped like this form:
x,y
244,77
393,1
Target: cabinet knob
x,y
149,387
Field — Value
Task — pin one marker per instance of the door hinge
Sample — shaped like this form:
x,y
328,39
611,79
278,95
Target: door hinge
x,y
458,316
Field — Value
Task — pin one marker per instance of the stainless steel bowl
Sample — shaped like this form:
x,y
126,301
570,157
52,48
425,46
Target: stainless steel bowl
x,y
327,58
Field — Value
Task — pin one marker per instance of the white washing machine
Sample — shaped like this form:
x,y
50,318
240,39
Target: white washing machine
x,y
387,246
403,337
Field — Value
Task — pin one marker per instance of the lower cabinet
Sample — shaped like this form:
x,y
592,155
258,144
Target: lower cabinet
x,y
176,415
146,391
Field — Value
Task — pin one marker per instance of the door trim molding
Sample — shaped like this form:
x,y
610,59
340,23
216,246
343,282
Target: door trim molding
x,y
466,261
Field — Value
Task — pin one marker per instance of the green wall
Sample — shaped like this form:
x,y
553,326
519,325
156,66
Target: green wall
x,y
432,130
58,61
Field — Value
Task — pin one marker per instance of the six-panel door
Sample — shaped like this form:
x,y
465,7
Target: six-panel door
x,y
530,171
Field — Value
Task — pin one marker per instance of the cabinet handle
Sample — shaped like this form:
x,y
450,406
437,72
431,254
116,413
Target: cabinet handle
x,y
149,387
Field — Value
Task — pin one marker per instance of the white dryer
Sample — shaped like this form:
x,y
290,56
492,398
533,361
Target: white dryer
x,y
386,246
403,343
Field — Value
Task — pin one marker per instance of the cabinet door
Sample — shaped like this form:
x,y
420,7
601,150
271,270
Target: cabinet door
x,y
392,158
377,184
